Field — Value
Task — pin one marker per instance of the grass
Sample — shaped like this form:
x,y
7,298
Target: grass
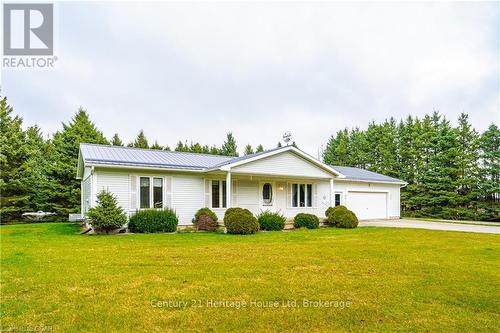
x,y
394,279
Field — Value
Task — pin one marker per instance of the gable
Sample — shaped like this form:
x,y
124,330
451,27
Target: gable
x,y
283,164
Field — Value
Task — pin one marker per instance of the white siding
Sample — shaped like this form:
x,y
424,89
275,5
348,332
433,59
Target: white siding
x,y
116,183
188,196
392,190
285,164
247,195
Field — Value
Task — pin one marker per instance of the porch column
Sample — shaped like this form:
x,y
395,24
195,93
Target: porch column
x,y
228,189
332,193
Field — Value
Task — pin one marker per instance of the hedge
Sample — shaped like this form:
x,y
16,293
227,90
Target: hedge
x,y
153,220
308,221
240,221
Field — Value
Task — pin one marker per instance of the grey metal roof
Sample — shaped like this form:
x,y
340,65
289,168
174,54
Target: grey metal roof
x,y
116,155
127,156
362,174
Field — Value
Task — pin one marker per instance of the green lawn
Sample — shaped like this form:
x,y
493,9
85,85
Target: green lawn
x,y
389,279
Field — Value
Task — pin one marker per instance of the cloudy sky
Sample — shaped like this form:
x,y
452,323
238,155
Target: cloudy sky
x,y
194,71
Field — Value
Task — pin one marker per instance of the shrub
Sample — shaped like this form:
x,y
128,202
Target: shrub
x,y
106,215
153,220
333,209
333,212
240,221
271,221
204,211
343,218
220,230
206,223
308,221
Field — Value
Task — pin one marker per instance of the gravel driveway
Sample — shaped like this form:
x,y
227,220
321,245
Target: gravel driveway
x,y
406,223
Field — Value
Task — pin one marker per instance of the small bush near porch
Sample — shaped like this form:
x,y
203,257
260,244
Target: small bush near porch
x,y
395,280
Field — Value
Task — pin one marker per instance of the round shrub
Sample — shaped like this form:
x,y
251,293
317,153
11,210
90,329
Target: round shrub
x,y
333,212
343,219
308,221
206,223
271,221
333,209
153,220
240,221
204,211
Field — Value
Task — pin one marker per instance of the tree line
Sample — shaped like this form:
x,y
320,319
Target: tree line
x,y
39,174
452,172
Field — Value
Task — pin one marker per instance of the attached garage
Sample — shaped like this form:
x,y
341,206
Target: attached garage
x,y
368,205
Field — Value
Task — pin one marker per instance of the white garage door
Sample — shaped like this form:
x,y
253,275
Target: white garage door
x,y
368,205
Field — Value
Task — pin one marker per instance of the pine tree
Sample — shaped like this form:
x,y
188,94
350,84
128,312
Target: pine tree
x,y
14,194
279,145
490,173
62,189
229,147
248,150
116,141
156,146
467,163
259,149
140,141
106,215
33,173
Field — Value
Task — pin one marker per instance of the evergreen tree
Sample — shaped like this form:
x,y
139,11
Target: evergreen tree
x,y
229,147
140,141
182,147
279,145
259,149
116,141
106,215
33,173
156,146
248,150
490,173
14,193
62,189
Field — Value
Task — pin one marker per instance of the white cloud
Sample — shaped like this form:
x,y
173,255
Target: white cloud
x,y
197,70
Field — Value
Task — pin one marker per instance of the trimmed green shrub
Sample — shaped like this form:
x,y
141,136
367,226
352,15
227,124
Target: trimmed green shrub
x,y
106,215
271,221
240,221
335,208
220,230
333,212
343,218
153,220
204,211
308,221
206,223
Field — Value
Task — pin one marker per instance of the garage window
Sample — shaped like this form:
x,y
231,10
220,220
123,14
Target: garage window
x,y
338,197
301,195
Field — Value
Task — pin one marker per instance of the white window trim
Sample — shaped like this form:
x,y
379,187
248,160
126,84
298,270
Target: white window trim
x,y
261,193
221,193
151,186
313,201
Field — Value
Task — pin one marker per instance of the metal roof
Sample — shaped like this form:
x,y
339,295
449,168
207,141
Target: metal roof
x,y
128,156
117,155
352,173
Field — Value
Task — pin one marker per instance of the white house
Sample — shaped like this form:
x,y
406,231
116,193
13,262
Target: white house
x,y
283,179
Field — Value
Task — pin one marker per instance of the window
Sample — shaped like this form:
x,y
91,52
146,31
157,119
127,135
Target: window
x,y
219,195
302,195
157,193
267,194
337,199
144,192
151,188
